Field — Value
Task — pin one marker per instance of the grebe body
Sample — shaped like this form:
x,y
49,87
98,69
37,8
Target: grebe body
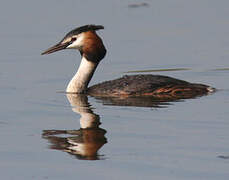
x,y
92,50
147,85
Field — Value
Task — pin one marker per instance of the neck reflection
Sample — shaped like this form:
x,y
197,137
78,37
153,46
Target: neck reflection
x,y
85,142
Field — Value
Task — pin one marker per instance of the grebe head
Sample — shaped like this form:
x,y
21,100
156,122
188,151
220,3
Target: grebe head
x,y
84,39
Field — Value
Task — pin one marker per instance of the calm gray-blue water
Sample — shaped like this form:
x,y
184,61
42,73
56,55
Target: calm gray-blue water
x,y
41,134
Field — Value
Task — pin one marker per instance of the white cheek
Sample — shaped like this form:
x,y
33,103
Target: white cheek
x,y
76,44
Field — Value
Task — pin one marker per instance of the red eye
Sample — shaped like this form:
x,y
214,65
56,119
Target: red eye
x,y
73,39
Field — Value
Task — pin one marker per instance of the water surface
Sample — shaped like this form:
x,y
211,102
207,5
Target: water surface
x,y
186,139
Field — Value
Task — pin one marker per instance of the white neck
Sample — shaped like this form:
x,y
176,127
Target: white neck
x,y
80,81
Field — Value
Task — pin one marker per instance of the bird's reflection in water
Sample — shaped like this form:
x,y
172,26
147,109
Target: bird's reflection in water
x,y
155,101
85,142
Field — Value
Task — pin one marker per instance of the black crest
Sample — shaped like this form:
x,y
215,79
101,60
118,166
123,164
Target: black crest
x,y
85,28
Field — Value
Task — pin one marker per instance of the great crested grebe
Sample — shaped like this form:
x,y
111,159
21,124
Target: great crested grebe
x,y
92,50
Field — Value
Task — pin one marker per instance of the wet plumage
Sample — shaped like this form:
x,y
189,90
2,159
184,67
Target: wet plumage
x,y
143,85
